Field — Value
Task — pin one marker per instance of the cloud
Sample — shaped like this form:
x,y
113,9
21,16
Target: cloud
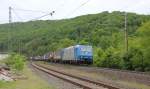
x,y
65,7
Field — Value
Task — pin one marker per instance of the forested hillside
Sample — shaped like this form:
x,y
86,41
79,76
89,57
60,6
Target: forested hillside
x,y
104,31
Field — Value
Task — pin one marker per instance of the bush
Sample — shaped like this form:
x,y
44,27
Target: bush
x,y
127,64
15,61
99,56
107,58
112,58
134,60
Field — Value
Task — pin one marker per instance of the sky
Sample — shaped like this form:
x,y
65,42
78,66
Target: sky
x,y
67,8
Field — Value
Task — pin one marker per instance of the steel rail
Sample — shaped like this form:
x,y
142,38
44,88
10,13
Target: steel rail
x,y
80,78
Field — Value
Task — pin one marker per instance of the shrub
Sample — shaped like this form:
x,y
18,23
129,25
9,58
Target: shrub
x,y
15,61
134,60
112,58
99,56
107,58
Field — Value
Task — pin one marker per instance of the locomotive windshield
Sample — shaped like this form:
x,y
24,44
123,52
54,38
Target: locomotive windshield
x,y
86,49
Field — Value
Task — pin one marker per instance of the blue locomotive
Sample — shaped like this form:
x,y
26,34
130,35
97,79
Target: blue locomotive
x,y
78,54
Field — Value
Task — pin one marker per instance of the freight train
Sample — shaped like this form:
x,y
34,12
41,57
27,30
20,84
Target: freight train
x,y
80,54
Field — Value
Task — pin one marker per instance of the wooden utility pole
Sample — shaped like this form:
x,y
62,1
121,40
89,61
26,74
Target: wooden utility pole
x,y
126,33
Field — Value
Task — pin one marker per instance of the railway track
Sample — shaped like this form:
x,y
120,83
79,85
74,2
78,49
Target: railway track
x,y
81,82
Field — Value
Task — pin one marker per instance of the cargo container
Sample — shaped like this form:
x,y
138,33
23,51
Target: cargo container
x,y
57,55
68,53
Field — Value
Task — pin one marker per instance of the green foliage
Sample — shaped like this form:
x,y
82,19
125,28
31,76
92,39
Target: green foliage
x,y
15,61
107,58
112,59
134,60
99,56
104,31
138,57
143,41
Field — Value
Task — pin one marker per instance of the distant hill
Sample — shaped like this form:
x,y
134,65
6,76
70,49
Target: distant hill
x,y
104,31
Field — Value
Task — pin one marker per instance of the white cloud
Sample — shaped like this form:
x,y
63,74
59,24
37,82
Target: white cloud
x,y
65,7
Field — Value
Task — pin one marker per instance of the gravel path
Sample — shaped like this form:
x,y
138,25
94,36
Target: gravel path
x,y
56,82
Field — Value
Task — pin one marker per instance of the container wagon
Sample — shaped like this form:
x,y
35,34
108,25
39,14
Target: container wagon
x,y
57,56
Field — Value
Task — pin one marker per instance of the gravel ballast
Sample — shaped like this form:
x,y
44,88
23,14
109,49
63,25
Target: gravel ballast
x,y
56,82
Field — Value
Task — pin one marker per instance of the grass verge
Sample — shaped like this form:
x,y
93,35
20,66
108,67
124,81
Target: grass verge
x,y
32,82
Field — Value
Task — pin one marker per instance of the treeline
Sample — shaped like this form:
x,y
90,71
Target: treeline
x,y
104,31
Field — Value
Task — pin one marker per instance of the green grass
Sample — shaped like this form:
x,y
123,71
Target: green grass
x,y
32,82
134,85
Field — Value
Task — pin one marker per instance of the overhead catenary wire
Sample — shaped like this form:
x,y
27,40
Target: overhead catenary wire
x,y
84,3
15,11
60,6
40,17
36,11
17,15
51,13
37,18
